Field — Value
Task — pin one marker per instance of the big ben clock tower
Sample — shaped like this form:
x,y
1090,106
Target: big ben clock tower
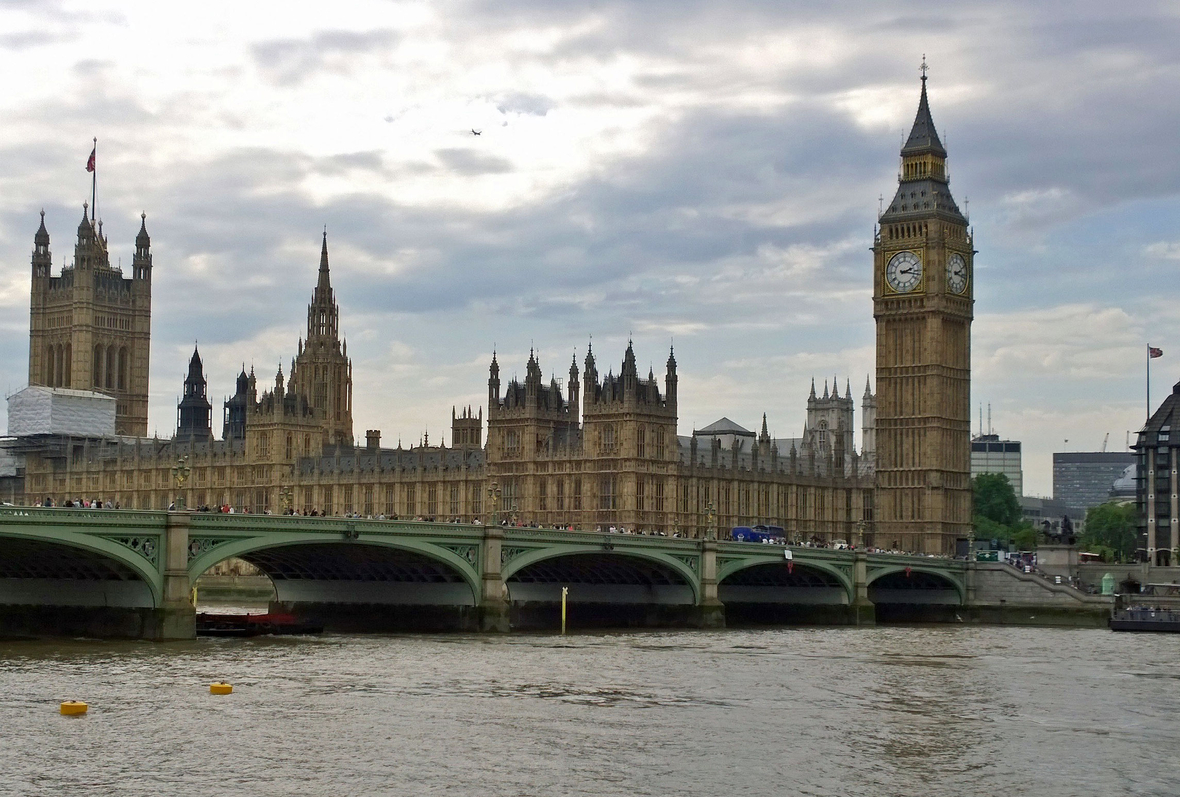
x,y
922,302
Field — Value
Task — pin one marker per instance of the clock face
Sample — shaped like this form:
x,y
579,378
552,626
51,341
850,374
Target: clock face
x,y
956,273
904,272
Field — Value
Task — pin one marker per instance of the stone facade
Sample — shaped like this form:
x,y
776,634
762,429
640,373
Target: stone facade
x,y
90,327
553,457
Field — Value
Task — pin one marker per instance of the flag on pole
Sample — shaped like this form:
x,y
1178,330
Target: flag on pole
x,y
90,162
1153,352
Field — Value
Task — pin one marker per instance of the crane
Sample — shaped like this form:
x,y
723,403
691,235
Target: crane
x,y
1105,440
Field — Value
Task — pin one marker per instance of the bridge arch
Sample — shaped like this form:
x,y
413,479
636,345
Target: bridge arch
x,y
641,565
807,569
365,563
70,569
914,585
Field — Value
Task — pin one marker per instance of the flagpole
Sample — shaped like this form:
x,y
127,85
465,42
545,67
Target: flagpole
x,y
94,183
1149,381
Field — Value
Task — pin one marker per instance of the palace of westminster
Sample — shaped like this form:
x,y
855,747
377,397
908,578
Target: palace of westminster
x,y
598,451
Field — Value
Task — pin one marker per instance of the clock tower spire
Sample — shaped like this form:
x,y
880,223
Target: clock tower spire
x,y
922,303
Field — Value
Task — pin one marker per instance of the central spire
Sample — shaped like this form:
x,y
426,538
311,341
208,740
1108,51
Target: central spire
x,y
325,281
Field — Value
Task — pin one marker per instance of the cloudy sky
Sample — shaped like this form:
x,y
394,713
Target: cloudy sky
x,y
698,171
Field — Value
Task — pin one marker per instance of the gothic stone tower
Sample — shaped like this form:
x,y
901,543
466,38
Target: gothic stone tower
x,y
90,328
629,444
194,413
922,302
322,371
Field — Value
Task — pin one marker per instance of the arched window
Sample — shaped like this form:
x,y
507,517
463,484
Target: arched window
x,y
49,372
111,368
823,433
290,445
98,363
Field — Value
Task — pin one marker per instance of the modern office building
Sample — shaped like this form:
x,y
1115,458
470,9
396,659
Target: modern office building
x,y
1086,478
990,454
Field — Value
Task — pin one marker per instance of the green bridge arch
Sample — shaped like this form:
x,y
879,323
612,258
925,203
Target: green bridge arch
x,y
939,573
734,565
244,546
551,551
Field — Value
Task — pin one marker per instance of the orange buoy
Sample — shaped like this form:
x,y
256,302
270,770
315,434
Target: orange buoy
x,y
73,708
220,688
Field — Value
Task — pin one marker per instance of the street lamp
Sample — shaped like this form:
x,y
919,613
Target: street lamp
x,y
494,500
285,498
711,531
180,473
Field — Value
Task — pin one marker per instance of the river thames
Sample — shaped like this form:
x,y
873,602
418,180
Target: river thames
x,y
818,711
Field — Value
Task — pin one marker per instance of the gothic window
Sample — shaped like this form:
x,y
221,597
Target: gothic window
x,y
606,493
97,372
641,494
641,442
577,493
512,443
390,511
560,497
660,443
411,500
454,500
660,496
823,433
432,500
368,501
328,500
290,445
122,384
49,373
111,367
543,495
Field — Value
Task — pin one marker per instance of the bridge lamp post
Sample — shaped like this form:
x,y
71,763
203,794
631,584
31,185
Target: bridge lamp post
x,y
285,498
180,472
494,500
711,531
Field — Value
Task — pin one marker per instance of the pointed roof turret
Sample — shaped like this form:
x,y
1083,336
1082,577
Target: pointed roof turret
x,y
868,388
923,137
143,239
195,367
812,396
42,234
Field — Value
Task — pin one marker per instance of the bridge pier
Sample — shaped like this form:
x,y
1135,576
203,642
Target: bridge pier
x,y
492,611
862,609
710,611
176,618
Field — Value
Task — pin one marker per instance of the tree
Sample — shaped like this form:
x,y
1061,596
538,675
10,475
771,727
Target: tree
x,y
995,499
1112,526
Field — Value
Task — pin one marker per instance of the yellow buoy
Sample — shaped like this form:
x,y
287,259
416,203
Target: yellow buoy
x,y
72,708
220,688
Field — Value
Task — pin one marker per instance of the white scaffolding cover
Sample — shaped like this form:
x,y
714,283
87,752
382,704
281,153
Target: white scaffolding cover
x,y
49,410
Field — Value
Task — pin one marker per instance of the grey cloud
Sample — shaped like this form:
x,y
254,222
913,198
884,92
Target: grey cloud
x,y
472,161
288,62
518,102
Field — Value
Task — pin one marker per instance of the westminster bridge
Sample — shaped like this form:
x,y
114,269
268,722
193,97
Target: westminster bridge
x,y
124,573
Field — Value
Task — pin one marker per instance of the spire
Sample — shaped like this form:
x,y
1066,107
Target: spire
x,y
923,137
812,396
42,235
765,433
194,364
868,388
325,282
825,390
143,239
847,388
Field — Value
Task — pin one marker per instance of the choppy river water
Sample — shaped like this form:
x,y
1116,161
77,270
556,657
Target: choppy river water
x,y
824,711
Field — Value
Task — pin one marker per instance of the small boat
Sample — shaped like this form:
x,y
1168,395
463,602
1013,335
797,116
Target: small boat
x,y
1146,618
250,625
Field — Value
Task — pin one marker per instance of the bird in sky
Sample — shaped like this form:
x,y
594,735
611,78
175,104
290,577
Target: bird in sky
x,y
475,132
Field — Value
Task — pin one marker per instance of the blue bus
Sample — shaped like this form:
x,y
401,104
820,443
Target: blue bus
x,y
759,533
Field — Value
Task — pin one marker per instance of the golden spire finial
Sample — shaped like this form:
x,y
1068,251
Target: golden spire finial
x,y
924,68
